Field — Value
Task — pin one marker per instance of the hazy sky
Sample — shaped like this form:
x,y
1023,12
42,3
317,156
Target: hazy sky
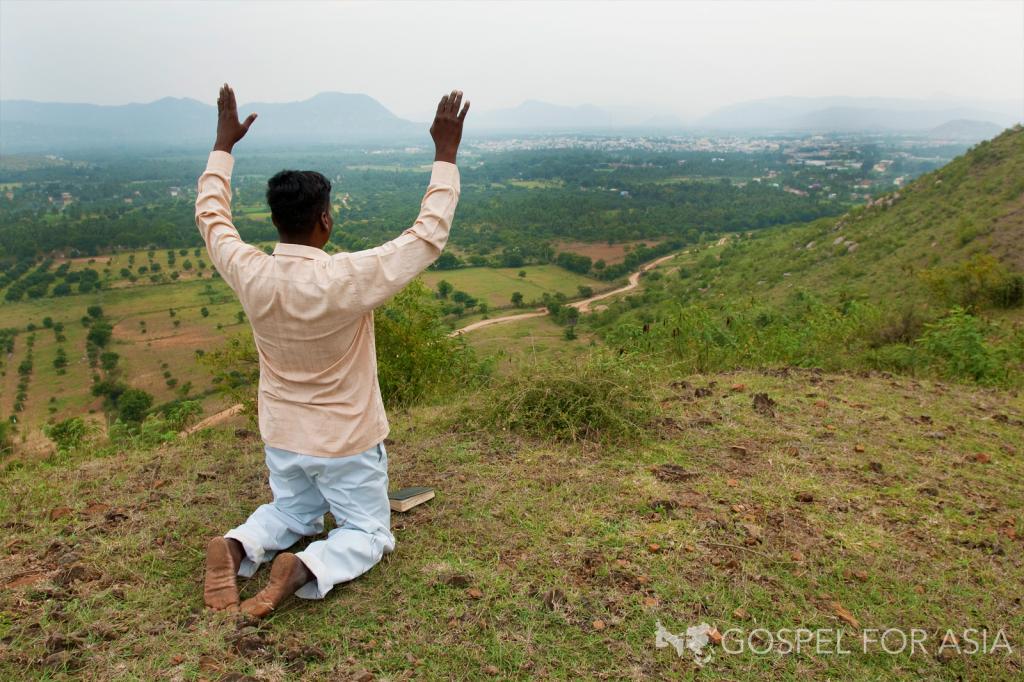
x,y
685,58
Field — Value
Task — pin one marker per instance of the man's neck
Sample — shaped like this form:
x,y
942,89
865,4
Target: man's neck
x,y
302,243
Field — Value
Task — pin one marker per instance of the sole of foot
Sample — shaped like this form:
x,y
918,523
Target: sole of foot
x,y
287,574
221,588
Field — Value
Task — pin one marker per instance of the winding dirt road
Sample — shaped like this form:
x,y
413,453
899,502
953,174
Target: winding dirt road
x,y
583,306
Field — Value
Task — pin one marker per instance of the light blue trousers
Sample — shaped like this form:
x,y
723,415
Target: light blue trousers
x,y
354,489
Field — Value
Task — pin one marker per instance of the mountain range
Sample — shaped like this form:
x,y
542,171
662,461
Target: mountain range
x,y
342,118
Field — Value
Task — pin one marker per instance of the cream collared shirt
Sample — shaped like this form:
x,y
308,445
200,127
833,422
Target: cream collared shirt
x,y
312,315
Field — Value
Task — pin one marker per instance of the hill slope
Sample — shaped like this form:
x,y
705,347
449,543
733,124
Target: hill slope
x,y
972,206
854,503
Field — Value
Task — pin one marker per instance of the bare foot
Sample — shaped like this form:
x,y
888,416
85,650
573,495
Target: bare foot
x,y
223,556
287,574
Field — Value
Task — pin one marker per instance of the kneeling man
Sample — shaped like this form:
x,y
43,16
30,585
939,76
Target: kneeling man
x,y
320,410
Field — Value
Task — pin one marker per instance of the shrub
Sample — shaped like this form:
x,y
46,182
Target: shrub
x,y
68,434
957,348
133,404
602,397
416,358
976,283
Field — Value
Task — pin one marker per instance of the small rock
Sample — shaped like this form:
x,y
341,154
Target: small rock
x,y
59,513
764,405
474,593
598,625
741,614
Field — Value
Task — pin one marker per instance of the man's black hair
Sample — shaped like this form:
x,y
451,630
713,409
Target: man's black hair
x,y
297,198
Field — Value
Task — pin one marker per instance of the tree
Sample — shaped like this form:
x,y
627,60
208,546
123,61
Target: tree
x,y
204,311
133,404
108,360
517,299
99,333
585,291
444,287
94,311
522,273
240,316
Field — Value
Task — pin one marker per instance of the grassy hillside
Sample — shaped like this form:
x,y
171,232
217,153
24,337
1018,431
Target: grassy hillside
x,y
927,279
852,503
972,206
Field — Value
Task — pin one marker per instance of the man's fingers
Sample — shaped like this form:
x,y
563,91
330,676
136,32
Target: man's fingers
x,y
248,121
442,104
457,103
451,100
465,110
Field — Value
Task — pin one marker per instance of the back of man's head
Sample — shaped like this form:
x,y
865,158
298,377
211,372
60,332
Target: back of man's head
x,y
297,200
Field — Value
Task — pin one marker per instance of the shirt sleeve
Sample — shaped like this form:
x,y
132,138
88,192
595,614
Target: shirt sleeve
x,y
383,271
229,254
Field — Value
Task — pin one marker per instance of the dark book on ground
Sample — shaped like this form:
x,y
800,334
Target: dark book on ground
x,y
407,498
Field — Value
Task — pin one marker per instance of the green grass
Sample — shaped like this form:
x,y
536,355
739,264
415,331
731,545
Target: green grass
x,y
142,355
496,285
782,516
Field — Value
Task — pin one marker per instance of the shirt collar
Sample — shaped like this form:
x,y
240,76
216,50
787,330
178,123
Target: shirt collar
x,y
300,251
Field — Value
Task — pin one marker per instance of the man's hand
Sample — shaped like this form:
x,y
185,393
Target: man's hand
x,y
447,127
229,130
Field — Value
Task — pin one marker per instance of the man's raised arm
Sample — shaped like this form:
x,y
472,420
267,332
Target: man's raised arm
x,y
381,272
213,204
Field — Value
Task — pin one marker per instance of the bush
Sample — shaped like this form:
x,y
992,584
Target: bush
x,y
415,356
600,398
133,404
68,434
977,283
957,348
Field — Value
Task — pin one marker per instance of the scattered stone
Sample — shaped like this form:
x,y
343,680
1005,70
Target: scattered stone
x,y
875,467
981,457
804,498
858,448
738,388
554,599
764,405
672,473
59,513
844,615
474,593
741,614
654,548
457,580
598,625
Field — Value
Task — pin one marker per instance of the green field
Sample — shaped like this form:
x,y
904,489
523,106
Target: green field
x,y
151,345
144,349
496,285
